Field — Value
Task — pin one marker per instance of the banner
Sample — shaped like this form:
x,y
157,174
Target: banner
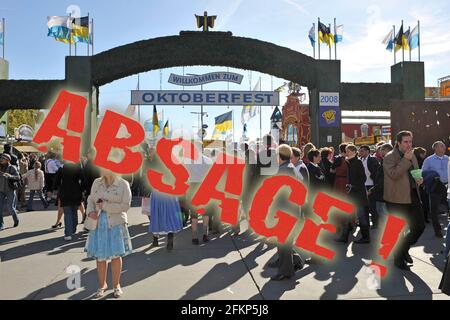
x,y
205,78
329,111
224,98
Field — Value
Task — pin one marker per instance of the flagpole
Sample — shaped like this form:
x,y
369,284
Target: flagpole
x,y
318,36
89,34
314,45
232,122
139,106
3,36
418,27
260,115
329,44
403,47
393,48
409,32
70,36
92,45
335,43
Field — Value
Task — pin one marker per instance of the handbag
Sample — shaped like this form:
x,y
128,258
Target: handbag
x,y
91,224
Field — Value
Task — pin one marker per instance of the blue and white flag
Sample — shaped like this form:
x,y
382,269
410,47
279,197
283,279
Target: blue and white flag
x,y
312,36
389,41
339,36
59,27
414,40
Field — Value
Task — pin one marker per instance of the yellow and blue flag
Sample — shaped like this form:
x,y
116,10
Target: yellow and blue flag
x,y
399,39
405,39
80,29
325,35
166,129
224,124
155,121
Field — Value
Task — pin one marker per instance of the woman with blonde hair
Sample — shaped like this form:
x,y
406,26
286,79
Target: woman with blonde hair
x,y
109,239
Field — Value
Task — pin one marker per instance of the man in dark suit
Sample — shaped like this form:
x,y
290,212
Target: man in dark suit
x,y
371,166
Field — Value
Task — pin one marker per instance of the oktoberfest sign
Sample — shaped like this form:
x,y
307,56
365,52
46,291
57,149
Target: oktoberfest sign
x,y
197,80
225,98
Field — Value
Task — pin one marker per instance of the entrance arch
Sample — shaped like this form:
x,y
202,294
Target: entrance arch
x,y
203,48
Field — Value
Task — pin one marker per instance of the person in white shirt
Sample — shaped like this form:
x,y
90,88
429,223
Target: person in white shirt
x,y
198,169
50,169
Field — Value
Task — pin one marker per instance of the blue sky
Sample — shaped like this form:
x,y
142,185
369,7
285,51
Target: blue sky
x,y
33,55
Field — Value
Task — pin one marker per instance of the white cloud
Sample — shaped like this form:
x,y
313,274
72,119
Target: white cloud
x,y
231,10
298,7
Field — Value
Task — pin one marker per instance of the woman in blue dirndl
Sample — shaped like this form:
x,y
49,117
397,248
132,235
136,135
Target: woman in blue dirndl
x,y
165,217
165,212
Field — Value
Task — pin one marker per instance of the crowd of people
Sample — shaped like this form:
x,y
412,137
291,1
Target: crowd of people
x,y
377,181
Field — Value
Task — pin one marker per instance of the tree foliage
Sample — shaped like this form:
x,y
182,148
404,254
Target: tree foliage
x,y
18,117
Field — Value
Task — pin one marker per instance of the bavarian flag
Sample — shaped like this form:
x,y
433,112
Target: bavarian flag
x,y
224,124
325,35
155,121
80,29
166,129
399,39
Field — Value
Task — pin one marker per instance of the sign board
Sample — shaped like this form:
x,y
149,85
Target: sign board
x,y
221,98
197,80
364,140
329,111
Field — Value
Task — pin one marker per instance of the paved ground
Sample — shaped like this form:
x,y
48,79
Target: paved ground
x,y
34,261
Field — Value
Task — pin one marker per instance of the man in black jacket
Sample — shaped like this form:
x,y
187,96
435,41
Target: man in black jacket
x,y
371,166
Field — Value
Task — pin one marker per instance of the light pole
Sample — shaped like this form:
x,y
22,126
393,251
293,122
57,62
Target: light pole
x,y
201,113
200,119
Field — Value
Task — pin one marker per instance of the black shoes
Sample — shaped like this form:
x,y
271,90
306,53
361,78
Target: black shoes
x,y
16,224
170,242
408,258
155,242
195,241
298,267
205,238
57,225
279,277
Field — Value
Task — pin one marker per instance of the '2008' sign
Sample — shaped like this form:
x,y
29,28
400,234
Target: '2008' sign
x,y
329,99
